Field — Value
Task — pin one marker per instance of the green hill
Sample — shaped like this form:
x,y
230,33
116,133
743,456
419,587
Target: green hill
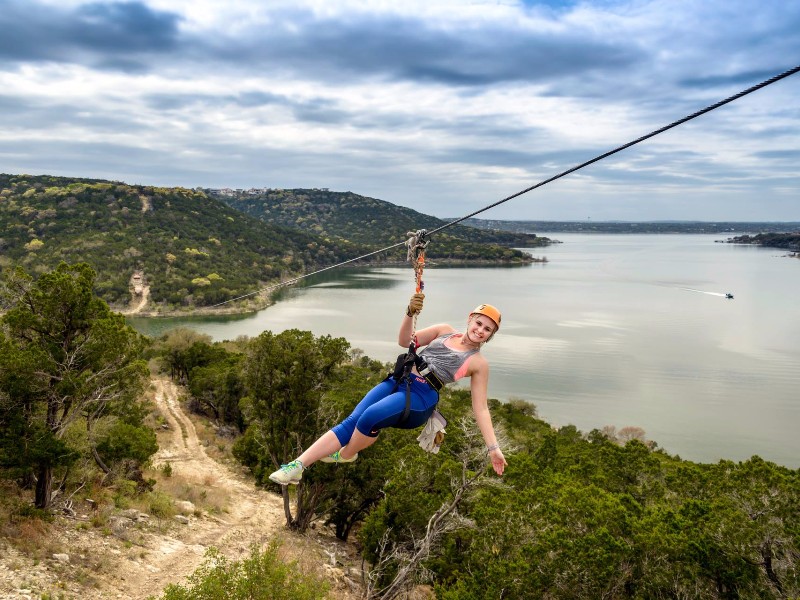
x,y
375,222
191,250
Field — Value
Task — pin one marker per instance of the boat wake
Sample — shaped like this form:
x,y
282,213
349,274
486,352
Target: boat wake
x,y
705,292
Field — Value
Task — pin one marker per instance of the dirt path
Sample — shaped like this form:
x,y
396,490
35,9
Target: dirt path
x,y
141,302
252,515
140,560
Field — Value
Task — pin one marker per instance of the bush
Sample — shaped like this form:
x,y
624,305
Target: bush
x,y
126,441
261,576
124,493
161,506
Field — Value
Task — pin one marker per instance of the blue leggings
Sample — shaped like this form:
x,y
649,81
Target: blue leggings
x,y
382,408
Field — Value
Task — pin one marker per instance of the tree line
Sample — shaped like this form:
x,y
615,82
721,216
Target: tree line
x,y
576,515
662,227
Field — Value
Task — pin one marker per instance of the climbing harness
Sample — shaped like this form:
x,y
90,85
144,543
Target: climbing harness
x,y
427,234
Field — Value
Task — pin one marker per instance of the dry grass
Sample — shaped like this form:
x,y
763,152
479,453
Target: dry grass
x,y
31,536
207,496
217,447
24,527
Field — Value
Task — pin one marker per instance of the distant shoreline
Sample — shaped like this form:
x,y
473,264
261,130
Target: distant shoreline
x,y
648,227
259,300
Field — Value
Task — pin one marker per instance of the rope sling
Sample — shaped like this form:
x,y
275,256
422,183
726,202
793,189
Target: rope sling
x,y
417,242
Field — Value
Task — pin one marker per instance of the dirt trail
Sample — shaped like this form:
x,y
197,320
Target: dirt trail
x,y
139,560
140,292
142,559
253,515
138,304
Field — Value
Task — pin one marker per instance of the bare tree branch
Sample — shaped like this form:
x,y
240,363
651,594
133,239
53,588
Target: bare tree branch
x,y
408,559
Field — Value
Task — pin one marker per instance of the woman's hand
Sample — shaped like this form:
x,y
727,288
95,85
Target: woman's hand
x,y
415,304
498,461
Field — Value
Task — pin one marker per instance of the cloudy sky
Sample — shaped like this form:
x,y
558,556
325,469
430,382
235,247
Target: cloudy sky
x,y
442,106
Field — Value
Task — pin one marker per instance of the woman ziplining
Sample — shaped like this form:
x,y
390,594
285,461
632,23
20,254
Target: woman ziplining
x,y
450,356
380,408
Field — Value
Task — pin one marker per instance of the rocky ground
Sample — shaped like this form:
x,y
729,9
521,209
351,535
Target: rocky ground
x,y
134,555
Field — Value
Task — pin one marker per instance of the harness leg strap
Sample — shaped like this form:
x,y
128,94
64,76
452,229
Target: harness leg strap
x,y
407,409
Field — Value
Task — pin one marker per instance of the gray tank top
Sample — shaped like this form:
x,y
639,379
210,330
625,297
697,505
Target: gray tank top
x,y
444,361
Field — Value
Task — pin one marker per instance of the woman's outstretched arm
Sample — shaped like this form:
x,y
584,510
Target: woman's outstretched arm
x,y
479,379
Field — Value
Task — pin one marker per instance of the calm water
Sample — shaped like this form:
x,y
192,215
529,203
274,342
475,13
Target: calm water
x,y
613,330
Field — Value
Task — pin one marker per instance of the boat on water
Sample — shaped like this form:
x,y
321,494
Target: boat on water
x,y
729,296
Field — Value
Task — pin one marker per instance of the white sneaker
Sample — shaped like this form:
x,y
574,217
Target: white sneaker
x,y
337,458
291,473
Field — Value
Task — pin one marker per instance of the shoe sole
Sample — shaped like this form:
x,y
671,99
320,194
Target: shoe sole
x,y
292,482
328,459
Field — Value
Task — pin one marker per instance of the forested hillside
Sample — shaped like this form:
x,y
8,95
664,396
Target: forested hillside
x,y
370,221
191,249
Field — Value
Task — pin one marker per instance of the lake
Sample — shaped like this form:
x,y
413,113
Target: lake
x,y
623,330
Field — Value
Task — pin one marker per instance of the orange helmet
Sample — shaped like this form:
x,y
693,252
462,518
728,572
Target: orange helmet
x,y
487,310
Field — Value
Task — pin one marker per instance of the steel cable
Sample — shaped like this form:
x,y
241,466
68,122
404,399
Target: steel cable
x,y
749,90
672,125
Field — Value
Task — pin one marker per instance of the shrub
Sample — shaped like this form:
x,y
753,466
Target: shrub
x,y
34,245
161,506
261,576
125,441
126,490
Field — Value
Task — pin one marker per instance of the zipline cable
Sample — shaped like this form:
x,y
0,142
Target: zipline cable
x,y
296,279
749,90
672,125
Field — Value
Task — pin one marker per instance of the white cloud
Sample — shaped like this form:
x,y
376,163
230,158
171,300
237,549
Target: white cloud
x,y
441,106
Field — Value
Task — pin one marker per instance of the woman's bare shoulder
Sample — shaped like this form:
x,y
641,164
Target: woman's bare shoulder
x,y
478,365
